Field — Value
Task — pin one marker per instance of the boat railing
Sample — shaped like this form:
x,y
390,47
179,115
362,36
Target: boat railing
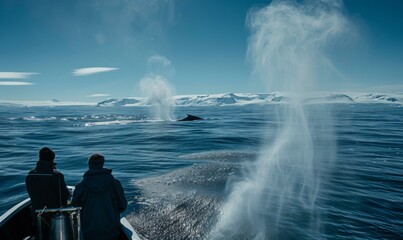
x,y
64,224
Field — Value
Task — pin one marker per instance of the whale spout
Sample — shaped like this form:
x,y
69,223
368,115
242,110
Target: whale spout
x,y
190,118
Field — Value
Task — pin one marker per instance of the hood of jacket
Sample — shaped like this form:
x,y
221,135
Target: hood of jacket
x,y
98,180
45,166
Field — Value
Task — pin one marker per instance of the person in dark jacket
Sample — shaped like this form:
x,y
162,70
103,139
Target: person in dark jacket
x,y
46,188
102,199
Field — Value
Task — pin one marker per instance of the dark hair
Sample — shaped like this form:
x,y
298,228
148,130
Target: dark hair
x,y
46,154
96,160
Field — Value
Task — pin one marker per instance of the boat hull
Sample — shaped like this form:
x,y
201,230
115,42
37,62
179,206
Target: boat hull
x,y
16,223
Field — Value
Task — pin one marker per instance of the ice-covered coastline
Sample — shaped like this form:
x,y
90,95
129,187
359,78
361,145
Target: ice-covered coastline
x,y
233,99
262,98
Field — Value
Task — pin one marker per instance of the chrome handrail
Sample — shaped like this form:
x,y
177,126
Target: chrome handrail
x,y
57,210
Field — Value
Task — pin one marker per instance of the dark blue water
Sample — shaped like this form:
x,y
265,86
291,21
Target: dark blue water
x,y
362,193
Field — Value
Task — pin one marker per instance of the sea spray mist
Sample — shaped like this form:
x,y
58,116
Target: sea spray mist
x,y
276,197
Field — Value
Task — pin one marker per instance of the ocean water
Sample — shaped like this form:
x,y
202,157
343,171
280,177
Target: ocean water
x,y
175,173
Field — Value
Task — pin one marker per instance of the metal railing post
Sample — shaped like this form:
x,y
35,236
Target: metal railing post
x,y
39,219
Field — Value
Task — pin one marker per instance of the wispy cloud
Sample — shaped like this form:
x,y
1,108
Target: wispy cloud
x,y
159,59
92,70
16,75
15,83
160,65
98,95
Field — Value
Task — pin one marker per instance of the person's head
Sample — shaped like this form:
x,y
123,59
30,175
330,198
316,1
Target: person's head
x,y
46,154
96,161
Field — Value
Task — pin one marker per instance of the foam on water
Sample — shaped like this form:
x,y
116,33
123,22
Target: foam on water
x,y
116,122
121,122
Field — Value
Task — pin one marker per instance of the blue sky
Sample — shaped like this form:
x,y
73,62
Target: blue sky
x,y
91,50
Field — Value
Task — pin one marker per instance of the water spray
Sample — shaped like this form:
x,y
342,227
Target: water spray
x,y
159,92
277,195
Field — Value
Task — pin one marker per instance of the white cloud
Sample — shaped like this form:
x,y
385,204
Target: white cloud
x,y
99,95
92,70
16,75
15,83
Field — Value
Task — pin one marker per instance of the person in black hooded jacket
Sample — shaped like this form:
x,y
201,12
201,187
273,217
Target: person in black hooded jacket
x,y
102,199
46,188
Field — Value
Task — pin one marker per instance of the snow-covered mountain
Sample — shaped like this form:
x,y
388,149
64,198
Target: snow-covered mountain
x,y
122,102
233,99
270,98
